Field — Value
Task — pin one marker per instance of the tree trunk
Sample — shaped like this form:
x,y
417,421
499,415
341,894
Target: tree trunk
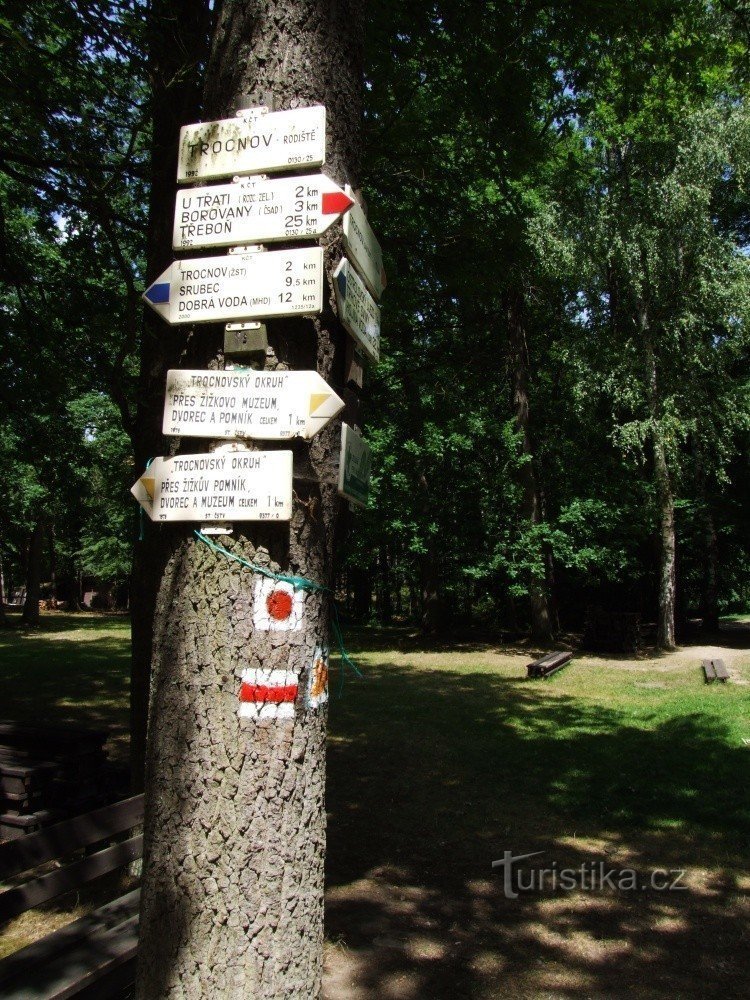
x,y
178,46
398,587
361,580
710,602
541,625
30,614
52,564
235,824
429,569
385,601
3,618
415,600
431,618
549,571
665,633
667,576
710,581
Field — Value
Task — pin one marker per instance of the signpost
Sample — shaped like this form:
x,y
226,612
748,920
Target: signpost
x,y
252,143
239,403
354,466
257,210
222,486
239,286
364,249
358,311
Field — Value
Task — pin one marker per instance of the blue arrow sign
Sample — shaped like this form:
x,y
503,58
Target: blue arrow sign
x,y
240,286
157,293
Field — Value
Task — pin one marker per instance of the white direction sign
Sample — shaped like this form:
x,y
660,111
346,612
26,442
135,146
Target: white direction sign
x,y
244,403
239,287
354,466
253,143
257,210
358,311
364,249
224,486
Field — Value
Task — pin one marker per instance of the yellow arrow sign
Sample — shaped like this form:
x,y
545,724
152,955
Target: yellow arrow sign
x,y
317,399
148,484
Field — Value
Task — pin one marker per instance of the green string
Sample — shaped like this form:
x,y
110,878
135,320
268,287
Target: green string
x,y
300,583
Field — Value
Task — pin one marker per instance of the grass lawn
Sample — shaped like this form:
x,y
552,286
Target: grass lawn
x,y
74,668
444,758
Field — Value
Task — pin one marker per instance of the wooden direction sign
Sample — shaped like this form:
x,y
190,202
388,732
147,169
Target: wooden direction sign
x,y
358,311
257,210
222,486
354,466
253,143
241,403
240,286
364,249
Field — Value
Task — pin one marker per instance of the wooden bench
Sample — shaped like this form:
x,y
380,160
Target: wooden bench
x,y
715,670
95,955
548,664
50,773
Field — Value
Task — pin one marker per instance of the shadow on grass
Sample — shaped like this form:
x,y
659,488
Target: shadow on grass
x,y
432,775
63,681
731,635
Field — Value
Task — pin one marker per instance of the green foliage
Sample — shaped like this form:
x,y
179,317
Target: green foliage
x,y
106,535
594,157
73,164
588,162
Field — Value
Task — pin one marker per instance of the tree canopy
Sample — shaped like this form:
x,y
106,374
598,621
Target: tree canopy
x,y
560,418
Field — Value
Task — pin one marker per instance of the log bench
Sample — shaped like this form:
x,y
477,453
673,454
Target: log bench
x,y
95,955
715,670
549,664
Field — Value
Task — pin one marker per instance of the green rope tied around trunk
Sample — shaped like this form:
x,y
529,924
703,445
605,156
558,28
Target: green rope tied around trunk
x,y
300,583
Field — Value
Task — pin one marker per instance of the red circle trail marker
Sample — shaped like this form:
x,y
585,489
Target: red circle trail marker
x,y
279,604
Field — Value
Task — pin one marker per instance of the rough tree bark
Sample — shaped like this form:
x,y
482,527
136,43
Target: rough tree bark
x,y
665,631
178,46
235,824
665,637
541,625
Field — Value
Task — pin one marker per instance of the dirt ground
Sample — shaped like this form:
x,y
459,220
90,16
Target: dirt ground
x,y
634,764
446,757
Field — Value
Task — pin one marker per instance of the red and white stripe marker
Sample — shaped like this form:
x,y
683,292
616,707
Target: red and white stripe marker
x,y
268,694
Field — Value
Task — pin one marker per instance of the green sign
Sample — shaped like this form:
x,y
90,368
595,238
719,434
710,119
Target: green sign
x,y
354,466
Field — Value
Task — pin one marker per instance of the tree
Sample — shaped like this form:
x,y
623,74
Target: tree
x,y
664,276
71,207
177,45
235,825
